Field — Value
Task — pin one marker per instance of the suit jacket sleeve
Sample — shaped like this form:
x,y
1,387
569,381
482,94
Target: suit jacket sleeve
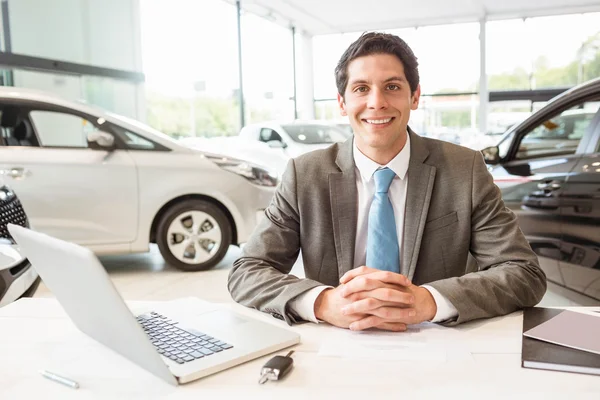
x,y
509,276
260,278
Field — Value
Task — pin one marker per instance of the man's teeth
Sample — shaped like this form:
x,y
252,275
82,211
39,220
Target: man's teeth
x,y
379,121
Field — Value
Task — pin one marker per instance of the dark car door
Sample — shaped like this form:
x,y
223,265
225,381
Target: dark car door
x,y
539,158
580,249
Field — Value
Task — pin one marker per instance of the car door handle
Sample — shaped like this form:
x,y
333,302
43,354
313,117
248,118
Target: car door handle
x,y
552,185
15,173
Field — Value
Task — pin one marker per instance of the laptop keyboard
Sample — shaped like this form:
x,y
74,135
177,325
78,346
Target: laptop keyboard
x,y
180,345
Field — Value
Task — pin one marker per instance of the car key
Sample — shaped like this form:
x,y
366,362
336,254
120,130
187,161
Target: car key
x,y
276,368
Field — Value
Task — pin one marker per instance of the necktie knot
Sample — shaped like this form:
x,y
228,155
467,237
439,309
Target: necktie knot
x,y
383,179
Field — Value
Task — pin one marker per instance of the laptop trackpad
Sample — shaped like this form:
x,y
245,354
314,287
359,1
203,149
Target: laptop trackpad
x,y
223,325
220,320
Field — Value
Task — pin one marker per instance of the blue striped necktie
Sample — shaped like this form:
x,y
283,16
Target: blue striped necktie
x,y
382,238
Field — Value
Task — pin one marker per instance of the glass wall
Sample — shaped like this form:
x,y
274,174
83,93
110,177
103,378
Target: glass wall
x,y
190,60
525,54
111,94
544,52
95,32
448,58
268,69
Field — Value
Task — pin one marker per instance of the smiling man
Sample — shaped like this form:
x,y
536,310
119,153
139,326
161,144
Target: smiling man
x,y
394,229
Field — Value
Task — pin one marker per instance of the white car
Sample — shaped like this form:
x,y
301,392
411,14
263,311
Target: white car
x,y
116,185
256,152
296,137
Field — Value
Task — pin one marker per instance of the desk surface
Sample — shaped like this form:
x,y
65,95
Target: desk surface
x,y
36,334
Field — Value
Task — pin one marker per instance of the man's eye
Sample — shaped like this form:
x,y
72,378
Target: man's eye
x,y
361,89
393,87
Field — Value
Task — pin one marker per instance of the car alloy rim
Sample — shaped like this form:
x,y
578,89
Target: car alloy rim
x,y
194,237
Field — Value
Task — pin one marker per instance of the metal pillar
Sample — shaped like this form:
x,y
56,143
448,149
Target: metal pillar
x,y
484,96
7,76
241,89
294,69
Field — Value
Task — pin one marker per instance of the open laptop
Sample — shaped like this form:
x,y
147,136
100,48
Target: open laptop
x,y
176,344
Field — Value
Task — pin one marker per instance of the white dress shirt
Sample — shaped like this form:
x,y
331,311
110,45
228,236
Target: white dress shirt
x,y
304,304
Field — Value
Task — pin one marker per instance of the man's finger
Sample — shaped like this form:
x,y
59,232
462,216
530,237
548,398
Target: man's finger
x,y
380,309
362,284
392,326
369,282
353,273
366,323
384,276
376,322
392,296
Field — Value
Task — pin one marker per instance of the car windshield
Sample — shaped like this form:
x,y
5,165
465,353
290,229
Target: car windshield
x,y
130,121
315,134
137,124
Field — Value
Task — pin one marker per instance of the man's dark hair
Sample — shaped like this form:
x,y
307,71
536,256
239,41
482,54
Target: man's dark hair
x,y
378,43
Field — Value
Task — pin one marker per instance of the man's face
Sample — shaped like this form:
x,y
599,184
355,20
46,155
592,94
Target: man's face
x,y
377,102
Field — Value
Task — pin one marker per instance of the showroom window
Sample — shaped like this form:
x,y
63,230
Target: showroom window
x,y
57,129
560,134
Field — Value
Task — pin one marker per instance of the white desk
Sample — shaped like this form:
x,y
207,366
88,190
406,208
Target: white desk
x,y
36,334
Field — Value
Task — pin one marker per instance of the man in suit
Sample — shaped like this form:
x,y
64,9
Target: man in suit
x,y
386,222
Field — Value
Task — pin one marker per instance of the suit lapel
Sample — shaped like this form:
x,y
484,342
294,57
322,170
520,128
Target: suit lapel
x,y
344,205
421,178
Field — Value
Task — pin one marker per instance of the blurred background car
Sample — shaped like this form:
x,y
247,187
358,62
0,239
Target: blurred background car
x,y
17,276
548,169
259,153
345,126
116,185
296,137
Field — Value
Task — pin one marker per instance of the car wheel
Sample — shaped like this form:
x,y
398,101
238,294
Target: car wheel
x,y
194,235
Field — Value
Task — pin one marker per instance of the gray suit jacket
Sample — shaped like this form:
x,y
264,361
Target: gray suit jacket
x,y
453,211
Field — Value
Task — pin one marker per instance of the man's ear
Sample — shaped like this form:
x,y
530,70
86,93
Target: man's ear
x,y
342,105
415,98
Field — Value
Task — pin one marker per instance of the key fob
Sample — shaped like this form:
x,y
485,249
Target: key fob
x,y
277,367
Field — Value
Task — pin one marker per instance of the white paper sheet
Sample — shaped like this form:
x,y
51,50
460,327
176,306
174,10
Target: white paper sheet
x,y
424,343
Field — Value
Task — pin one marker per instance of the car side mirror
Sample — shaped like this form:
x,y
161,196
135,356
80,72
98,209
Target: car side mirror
x,y
101,139
491,155
277,144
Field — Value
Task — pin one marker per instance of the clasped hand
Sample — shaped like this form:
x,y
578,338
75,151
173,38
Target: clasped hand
x,y
371,298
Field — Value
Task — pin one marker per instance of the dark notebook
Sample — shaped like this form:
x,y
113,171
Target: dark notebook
x,y
543,355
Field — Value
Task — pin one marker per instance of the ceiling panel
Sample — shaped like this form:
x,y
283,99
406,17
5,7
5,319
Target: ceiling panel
x,y
337,16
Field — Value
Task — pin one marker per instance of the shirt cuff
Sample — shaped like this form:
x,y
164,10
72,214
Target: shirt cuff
x,y
445,309
303,305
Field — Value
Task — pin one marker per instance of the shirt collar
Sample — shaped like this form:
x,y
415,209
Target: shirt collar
x,y
367,167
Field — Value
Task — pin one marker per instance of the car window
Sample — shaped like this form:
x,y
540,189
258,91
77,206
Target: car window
x,y
315,134
267,134
134,141
57,129
559,135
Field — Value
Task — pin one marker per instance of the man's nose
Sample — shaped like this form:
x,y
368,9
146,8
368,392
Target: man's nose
x,y
377,100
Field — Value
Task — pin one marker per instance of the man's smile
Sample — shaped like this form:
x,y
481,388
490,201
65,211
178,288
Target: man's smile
x,y
379,122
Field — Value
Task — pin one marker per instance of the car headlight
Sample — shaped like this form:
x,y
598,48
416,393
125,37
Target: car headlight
x,y
256,174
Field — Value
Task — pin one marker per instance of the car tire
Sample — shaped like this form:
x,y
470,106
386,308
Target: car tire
x,y
194,235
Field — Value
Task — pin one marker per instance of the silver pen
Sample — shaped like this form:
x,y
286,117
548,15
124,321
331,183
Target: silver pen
x,y
60,379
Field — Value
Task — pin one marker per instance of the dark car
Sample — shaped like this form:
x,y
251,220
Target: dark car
x,y
17,277
548,168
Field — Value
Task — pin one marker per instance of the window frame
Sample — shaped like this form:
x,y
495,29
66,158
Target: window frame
x,y
553,109
556,115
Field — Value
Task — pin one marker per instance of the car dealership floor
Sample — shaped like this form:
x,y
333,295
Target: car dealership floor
x,y
146,276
